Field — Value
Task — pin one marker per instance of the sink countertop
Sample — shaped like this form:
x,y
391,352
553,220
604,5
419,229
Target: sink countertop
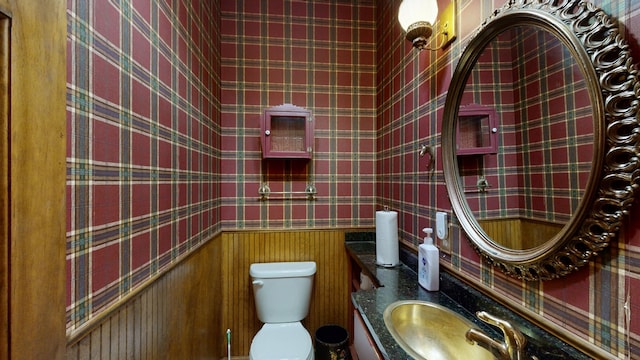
x,y
401,283
398,283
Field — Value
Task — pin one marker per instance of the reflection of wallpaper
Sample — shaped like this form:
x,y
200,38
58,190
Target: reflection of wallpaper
x,y
142,113
545,129
412,87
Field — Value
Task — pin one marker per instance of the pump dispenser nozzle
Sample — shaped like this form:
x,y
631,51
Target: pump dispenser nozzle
x,y
428,239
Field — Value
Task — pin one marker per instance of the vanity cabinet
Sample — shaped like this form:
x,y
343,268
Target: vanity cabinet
x,y
287,132
363,344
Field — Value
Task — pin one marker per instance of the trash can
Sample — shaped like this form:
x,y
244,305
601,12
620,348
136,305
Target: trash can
x,y
332,343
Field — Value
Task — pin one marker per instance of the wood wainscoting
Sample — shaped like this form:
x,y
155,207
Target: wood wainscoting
x,y
175,316
185,312
520,233
330,298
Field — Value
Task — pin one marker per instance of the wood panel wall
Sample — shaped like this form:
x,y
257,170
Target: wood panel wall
x,y
330,298
535,232
184,313
174,317
520,233
508,230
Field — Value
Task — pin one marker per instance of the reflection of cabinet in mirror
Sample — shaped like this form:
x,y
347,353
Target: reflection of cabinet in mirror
x,y
477,130
287,132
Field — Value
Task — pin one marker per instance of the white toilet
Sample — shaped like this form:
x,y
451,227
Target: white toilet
x,y
282,291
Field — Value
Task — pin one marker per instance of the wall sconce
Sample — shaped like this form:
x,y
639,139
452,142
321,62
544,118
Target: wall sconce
x,y
417,18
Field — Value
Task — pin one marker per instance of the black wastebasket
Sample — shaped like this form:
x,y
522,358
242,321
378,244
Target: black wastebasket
x,y
332,343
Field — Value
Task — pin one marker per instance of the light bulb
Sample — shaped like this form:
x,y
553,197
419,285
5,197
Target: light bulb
x,y
413,11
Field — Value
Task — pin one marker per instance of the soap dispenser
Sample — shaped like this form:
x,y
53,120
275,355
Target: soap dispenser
x,y
428,263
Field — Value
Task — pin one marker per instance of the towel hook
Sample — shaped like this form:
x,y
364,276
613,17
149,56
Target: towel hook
x,y
426,149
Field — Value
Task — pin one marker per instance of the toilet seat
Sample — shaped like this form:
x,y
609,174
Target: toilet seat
x,y
282,341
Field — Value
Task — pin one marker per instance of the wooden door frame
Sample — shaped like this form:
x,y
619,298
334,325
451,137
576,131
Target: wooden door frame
x,y
33,181
5,260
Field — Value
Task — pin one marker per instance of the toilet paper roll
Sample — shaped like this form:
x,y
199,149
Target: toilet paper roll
x,y
387,238
365,282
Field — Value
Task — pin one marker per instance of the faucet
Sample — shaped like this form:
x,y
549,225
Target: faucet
x,y
512,348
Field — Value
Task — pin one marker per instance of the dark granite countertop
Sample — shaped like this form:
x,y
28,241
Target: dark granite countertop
x,y
401,283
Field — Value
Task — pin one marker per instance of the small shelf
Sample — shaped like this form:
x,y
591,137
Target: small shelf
x,y
287,132
477,132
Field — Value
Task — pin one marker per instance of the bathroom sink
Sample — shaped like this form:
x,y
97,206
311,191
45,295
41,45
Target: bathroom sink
x,y
429,331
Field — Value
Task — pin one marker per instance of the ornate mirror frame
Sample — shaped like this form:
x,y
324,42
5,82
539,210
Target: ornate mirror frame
x,y
594,40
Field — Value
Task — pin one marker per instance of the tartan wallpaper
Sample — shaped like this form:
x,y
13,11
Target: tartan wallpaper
x,y
318,55
412,86
164,101
144,143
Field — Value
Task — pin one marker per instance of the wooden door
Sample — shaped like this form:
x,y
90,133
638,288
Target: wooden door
x,y
32,179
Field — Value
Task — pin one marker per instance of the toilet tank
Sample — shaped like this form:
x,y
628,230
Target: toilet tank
x,y
282,290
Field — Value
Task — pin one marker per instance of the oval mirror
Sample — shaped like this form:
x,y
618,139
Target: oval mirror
x,y
540,137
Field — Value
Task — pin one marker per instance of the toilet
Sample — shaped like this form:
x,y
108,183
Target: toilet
x,y
282,291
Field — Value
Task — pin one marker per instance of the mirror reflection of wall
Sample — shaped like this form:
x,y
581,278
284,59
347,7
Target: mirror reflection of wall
x,y
536,179
567,137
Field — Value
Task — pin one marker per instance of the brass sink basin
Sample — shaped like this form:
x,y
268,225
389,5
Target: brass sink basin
x,y
431,332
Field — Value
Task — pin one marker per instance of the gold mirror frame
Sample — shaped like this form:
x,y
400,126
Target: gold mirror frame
x,y
594,40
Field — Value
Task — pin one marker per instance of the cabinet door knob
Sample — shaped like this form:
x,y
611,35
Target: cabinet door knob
x,y
267,132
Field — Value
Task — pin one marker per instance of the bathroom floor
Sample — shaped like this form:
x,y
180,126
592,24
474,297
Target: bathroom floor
x,y
354,356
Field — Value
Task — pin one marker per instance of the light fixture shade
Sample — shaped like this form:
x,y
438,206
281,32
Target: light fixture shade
x,y
414,11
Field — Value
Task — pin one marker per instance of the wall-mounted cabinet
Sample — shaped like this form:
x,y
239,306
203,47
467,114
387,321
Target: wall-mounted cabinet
x,y
477,130
287,132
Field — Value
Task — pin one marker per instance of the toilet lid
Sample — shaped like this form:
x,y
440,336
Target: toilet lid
x,y
286,341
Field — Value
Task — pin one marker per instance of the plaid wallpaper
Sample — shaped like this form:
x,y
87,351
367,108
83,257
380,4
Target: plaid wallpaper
x,y
545,147
144,143
319,55
412,86
164,102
